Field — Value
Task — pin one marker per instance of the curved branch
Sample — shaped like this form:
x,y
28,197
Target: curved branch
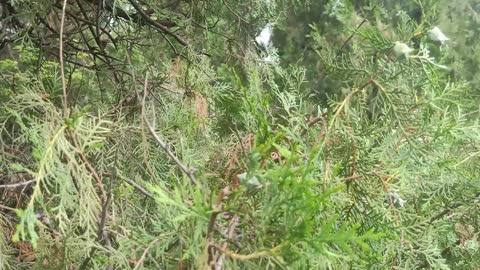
x,y
156,24
164,145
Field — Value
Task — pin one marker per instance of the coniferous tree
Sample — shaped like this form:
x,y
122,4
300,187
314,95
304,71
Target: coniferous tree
x,y
329,134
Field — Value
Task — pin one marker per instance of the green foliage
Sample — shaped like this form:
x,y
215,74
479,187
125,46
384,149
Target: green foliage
x,y
186,146
26,227
5,250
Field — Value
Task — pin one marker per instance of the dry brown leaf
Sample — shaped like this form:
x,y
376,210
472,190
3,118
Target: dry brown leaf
x,y
201,109
25,252
464,232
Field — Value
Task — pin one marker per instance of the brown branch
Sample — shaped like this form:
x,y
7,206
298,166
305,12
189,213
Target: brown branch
x,y
96,37
352,35
449,208
144,255
216,259
217,207
103,218
7,208
96,34
156,24
252,256
90,168
62,68
313,120
120,13
100,234
138,187
387,189
96,52
18,184
234,13
231,231
164,145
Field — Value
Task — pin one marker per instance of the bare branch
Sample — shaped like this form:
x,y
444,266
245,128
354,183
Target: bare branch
x,y
7,208
234,13
144,255
62,68
451,207
18,184
100,232
138,187
187,171
252,256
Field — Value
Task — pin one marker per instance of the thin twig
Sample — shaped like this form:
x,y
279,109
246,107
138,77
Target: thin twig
x,y
255,255
228,238
235,131
100,233
451,207
156,24
234,13
144,254
103,218
351,36
313,121
7,208
390,198
187,171
90,167
348,40
62,68
217,208
138,187
18,184
357,90
219,263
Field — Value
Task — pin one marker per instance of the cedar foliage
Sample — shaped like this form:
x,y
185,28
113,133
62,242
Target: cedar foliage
x,y
183,144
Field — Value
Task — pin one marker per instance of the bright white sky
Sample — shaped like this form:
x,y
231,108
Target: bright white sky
x,y
264,37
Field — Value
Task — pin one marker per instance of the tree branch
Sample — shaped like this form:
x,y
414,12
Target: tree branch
x,y
187,171
451,207
252,256
62,68
138,187
156,24
18,184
